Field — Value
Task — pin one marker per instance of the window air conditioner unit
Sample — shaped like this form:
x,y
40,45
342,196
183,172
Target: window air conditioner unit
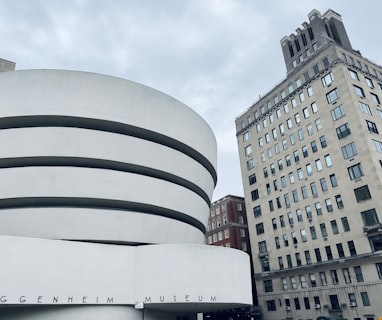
x,y
317,306
287,308
352,304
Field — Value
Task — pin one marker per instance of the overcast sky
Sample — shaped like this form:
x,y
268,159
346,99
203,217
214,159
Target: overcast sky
x,y
216,56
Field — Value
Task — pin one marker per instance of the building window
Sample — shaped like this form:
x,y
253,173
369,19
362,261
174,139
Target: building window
x,y
287,201
323,142
291,177
308,257
313,145
282,221
324,233
378,146
343,131
355,171
262,247
310,91
345,224
327,80
353,74
333,224
289,260
300,134
365,108
300,174
277,242
285,238
297,303
299,263
352,249
281,263
296,156
255,194
313,233
340,250
295,195
268,287
332,96
318,124
304,151
293,282
259,228
309,129
318,254
306,303
303,235
252,179
365,299
297,118
362,193
257,211
250,164
317,205
329,206
274,133
271,207
358,274
333,274
376,242
337,113
339,201
359,91
314,107
304,192
324,185
287,160
346,274
284,283
328,160
379,269
333,180
275,185
349,150
285,144
313,188
370,217
290,218
271,305
375,98
273,168
324,281
372,127
292,138
329,254
308,211
278,202
316,70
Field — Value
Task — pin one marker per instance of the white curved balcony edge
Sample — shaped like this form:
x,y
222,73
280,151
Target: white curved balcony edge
x,y
162,277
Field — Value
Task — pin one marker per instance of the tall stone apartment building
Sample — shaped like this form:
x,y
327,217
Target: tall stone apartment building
x,y
311,161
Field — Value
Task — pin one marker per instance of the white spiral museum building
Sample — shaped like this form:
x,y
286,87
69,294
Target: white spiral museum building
x,y
105,187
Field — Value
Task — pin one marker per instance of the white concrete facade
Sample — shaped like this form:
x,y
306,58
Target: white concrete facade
x,y
98,159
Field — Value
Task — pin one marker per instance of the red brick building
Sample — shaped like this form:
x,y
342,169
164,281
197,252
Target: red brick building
x,y
227,224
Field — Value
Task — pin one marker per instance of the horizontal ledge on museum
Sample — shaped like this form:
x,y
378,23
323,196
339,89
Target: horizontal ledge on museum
x,y
107,126
99,204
